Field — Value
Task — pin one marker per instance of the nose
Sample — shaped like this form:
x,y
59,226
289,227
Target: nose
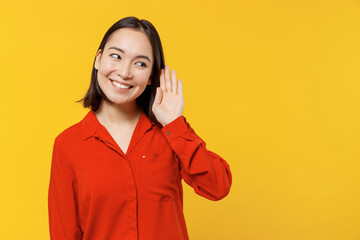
x,y
124,71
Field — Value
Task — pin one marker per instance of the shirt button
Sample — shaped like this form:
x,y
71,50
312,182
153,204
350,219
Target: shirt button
x,y
143,156
168,133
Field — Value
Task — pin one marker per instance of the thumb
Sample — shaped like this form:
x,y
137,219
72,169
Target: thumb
x,y
158,96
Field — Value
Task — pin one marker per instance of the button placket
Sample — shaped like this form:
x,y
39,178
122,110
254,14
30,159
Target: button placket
x,y
133,198
131,187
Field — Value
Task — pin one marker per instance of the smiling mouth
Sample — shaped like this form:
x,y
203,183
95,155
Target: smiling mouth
x,y
119,85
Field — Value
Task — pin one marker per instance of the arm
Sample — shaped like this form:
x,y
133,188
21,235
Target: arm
x,y
205,171
61,199
202,169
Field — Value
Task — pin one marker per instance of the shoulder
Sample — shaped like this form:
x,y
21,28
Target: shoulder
x,y
69,136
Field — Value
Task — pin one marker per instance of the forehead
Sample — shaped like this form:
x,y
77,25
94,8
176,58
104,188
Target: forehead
x,y
131,41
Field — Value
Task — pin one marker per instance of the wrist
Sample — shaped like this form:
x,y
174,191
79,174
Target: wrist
x,y
169,121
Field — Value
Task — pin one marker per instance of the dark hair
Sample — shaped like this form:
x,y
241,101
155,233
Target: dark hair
x,y
145,101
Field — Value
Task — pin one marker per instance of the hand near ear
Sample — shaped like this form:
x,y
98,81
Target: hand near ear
x,y
169,101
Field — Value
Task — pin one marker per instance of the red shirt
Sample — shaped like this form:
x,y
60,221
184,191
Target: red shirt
x,y
96,192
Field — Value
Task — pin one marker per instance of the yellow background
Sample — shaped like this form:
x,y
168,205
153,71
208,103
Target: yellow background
x,y
271,86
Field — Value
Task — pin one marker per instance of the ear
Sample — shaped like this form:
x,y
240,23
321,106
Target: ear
x,y
97,60
149,82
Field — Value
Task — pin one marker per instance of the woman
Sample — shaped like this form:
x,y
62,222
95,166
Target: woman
x,y
117,173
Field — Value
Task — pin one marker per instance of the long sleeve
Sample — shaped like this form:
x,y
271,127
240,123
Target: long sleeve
x,y
207,173
63,223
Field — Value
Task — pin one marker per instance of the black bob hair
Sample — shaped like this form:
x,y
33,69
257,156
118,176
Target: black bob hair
x,y
145,101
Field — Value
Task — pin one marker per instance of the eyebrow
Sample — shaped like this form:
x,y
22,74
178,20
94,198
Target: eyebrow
x,y
138,56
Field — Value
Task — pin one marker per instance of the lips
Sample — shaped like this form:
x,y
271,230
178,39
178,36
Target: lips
x,y
121,85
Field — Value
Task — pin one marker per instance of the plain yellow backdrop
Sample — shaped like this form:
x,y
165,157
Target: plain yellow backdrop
x,y
271,86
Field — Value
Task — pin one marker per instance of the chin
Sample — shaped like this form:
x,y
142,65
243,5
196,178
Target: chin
x,y
118,101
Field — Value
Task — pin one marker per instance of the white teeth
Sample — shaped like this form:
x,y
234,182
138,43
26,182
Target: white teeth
x,y
120,85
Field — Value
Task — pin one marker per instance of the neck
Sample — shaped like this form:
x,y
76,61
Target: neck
x,y
111,113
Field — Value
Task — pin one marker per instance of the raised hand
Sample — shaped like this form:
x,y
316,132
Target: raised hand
x,y
169,101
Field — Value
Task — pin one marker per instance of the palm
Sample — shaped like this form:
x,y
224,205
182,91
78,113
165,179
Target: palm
x,y
169,101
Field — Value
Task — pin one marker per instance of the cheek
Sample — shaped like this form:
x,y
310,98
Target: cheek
x,y
143,76
103,74
106,68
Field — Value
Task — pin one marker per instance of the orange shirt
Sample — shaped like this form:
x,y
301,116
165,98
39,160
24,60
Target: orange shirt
x,y
96,192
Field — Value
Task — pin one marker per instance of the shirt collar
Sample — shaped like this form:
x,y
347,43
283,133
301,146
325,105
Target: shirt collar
x,y
90,125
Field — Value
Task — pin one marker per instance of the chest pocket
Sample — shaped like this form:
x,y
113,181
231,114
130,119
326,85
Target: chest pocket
x,y
161,176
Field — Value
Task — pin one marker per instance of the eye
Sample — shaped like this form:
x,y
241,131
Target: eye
x,y
116,55
141,64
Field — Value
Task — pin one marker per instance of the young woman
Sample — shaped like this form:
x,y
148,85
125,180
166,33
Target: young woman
x,y
117,173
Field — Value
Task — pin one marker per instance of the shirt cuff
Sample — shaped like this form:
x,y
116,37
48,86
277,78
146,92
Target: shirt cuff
x,y
175,128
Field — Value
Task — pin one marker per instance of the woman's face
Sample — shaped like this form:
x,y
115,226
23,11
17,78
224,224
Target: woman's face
x,y
124,67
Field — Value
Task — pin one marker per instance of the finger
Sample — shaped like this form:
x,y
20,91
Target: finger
x,y
162,80
173,81
180,87
167,79
158,96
